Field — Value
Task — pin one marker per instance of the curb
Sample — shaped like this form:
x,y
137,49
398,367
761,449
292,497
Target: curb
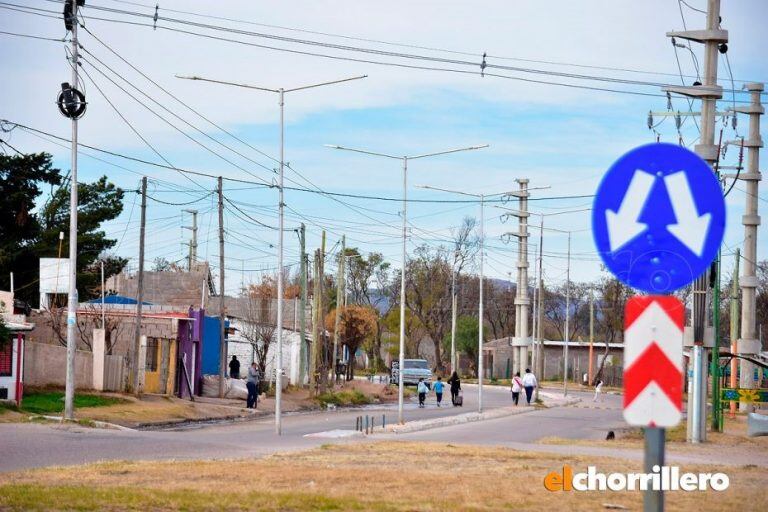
x,y
471,417
94,423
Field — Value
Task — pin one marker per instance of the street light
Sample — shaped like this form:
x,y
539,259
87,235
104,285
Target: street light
x,y
281,92
480,305
404,159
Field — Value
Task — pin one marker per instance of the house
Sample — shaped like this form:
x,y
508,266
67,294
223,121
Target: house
x,y
12,351
499,362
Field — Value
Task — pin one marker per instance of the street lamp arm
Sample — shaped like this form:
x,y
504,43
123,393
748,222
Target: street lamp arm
x,y
246,86
469,148
326,83
428,187
363,151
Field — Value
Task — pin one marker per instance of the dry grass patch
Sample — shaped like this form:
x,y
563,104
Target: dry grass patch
x,y
382,476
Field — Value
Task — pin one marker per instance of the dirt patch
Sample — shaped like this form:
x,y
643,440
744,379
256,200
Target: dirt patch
x,y
389,476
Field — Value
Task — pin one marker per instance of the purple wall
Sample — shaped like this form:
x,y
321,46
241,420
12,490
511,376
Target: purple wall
x,y
190,344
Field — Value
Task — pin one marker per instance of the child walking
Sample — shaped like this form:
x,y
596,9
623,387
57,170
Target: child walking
x,y
423,389
517,387
438,387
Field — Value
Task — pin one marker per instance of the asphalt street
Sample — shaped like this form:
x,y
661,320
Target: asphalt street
x,y
35,445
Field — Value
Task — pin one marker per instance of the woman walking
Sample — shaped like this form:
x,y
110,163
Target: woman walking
x,y
517,387
529,383
455,384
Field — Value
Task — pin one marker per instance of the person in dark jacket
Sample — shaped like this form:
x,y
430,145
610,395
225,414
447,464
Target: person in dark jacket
x,y
455,384
234,368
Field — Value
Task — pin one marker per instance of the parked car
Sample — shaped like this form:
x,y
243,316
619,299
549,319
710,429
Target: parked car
x,y
414,370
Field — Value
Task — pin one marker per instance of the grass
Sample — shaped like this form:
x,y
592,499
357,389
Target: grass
x,y
366,476
48,402
344,397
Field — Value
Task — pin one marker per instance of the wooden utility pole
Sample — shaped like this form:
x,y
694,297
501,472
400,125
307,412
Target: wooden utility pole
x,y
222,341
139,292
320,369
339,303
302,307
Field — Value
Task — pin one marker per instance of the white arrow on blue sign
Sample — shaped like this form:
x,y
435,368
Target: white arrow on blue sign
x,y
658,217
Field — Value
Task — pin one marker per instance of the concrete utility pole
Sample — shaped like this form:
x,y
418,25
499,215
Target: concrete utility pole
x,y
339,303
303,305
749,341
404,160
522,302
734,377
193,242
137,388
222,340
72,298
709,92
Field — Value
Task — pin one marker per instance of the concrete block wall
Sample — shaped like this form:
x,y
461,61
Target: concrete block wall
x,y
46,365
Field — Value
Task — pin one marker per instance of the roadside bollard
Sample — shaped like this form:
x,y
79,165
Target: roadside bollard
x,y
366,424
383,422
357,424
373,421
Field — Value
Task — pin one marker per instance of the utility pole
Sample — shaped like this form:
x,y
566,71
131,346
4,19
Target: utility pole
x,y
72,299
317,375
709,92
303,305
222,340
539,348
139,291
591,335
522,302
734,377
193,241
749,341
339,303
103,317
454,367
567,317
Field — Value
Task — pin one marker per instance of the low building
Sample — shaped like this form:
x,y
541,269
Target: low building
x,y
499,360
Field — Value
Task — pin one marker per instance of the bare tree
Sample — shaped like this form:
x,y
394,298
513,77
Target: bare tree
x,y
259,322
612,298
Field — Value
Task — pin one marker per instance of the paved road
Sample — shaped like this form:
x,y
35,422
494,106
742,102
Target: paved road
x,y
32,445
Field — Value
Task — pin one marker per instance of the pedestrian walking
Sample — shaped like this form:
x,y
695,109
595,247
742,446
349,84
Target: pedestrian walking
x,y
455,384
529,383
254,376
438,387
422,389
517,387
598,391
234,368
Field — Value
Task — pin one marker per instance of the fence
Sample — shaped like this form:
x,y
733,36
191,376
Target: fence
x,y
115,376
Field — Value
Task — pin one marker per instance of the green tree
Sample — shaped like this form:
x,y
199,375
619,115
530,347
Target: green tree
x,y
467,329
35,234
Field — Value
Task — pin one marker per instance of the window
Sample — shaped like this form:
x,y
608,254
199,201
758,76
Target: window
x,y
6,359
152,349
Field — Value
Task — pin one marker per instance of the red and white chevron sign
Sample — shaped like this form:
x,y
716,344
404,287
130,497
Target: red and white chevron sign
x,y
653,360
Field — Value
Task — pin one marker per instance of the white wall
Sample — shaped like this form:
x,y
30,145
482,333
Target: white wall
x,y
242,348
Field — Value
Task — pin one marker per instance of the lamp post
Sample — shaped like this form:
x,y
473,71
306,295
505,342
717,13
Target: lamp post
x,y
404,160
480,365
281,93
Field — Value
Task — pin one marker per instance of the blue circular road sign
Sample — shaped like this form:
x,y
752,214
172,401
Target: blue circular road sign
x,y
658,217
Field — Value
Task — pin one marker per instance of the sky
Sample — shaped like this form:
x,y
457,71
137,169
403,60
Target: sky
x,y
562,139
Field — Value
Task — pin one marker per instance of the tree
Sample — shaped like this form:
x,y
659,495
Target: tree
x,y
22,179
611,300
762,300
98,202
363,273
30,230
428,295
357,324
467,328
260,320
